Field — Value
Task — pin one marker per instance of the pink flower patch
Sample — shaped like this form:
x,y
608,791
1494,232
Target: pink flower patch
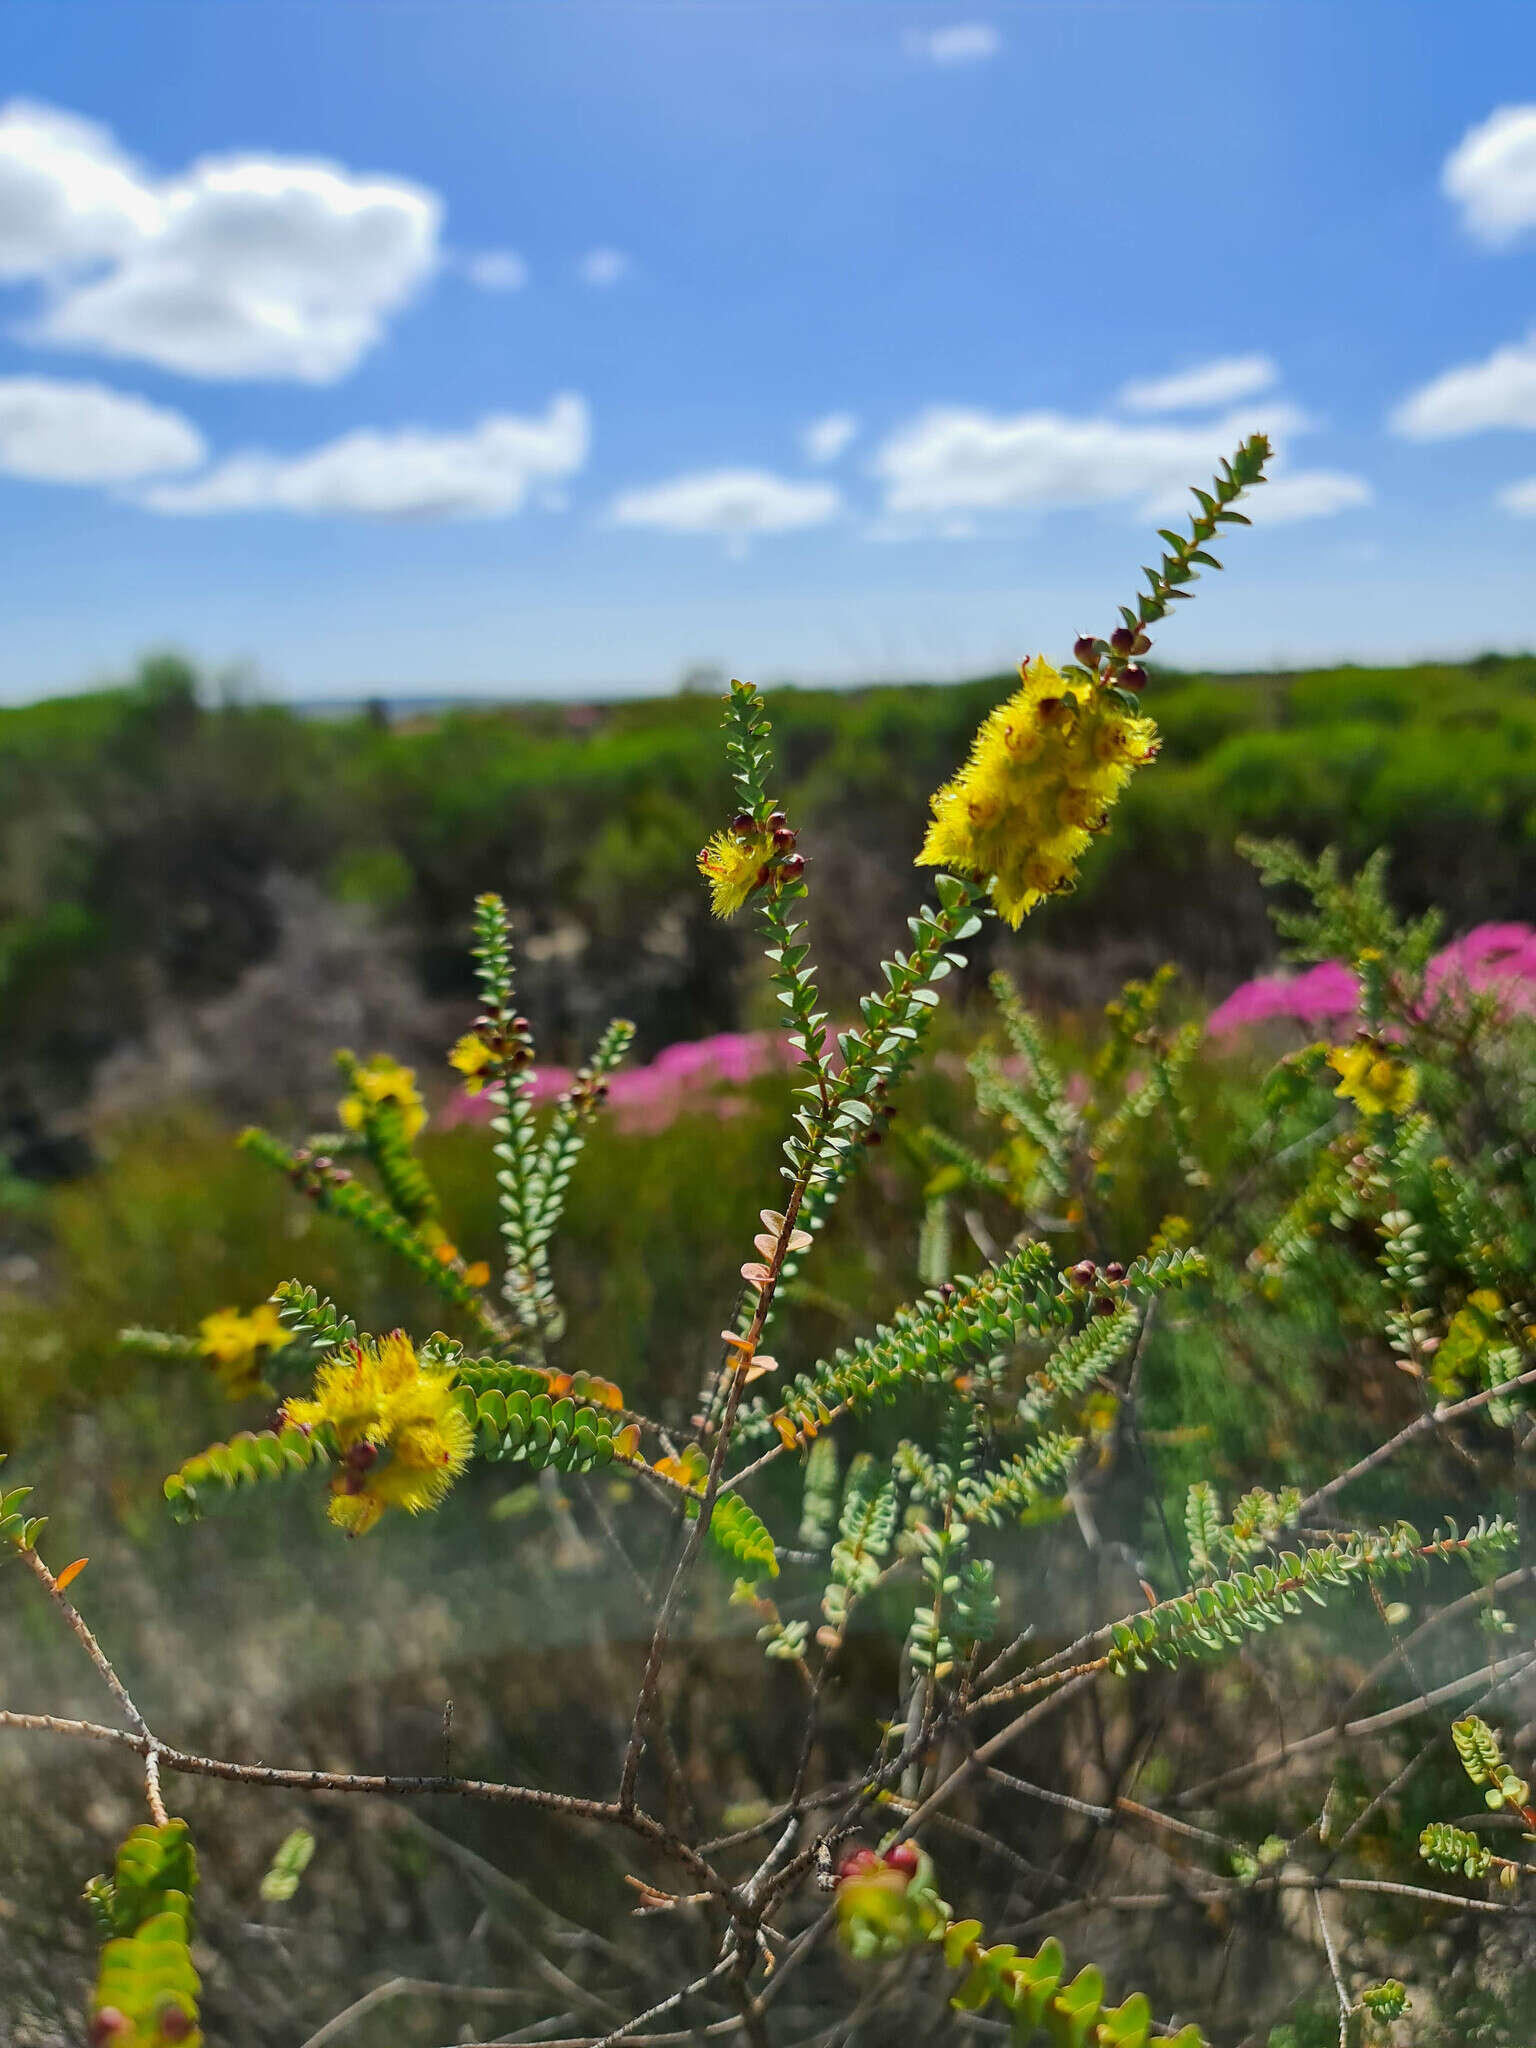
x,y
1501,957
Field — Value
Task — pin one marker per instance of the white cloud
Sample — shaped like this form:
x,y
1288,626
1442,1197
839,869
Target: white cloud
x,y
1307,494
1222,382
825,439
239,266
1498,392
497,270
735,504
1520,498
951,459
966,42
56,432
409,473
1491,174
603,267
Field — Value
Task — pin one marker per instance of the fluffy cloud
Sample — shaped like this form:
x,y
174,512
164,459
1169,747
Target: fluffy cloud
x,y
497,270
239,266
1307,494
1491,175
1520,498
1498,392
967,42
735,504
412,473
66,433
603,267
825,439
951,460
1209,384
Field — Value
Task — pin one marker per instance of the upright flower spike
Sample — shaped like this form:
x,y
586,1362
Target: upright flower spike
x,y
381,1083
232,1344
402,1436
474,1060
1045,769
733,864
1372,1079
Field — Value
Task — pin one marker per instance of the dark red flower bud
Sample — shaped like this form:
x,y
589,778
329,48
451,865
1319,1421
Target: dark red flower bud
x,y
174,2022
340,1175
743,822
1132,677
777,821
763,874
1086,650
948,1289
794,867
323,1162
361,1455
1114,1271
1123,640
857,1863
1084,1273
110,2024
1104,1305
903,1857
1049,709
783,839
873,1138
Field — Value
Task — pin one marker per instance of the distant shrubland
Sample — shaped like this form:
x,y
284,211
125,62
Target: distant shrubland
x,y
158,847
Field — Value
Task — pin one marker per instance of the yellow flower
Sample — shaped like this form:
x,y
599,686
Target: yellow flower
x,y
1044,770
471,1056
1372,1079
402,1435
731,864
382,1083
230,1342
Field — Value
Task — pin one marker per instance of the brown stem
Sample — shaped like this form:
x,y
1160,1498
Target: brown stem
x,y
646,1701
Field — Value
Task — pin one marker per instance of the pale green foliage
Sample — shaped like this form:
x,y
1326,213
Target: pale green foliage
x,y
1455,1851
288,1866
1225,1611
1482,1758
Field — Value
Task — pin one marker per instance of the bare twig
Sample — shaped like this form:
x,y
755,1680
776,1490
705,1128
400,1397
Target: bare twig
x,y
78,1627
1435,1418
410,1987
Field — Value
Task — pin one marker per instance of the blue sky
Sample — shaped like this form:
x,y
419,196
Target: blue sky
x,y
558,346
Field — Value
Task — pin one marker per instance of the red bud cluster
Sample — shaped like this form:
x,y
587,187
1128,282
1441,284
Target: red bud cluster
x,y
866,1862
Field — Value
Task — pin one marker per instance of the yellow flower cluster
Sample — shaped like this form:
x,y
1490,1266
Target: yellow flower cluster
x,y
403,1437
381,1083
731,864
231,1342
1045,769
471,1056
1371,1079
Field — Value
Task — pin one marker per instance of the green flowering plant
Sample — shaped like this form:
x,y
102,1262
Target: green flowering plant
x,y
896,1488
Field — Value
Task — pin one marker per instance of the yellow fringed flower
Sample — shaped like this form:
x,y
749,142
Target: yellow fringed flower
x,y
231,1341
470,1057
1371,1079
403,1437
731,864
383,1083
1045,769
